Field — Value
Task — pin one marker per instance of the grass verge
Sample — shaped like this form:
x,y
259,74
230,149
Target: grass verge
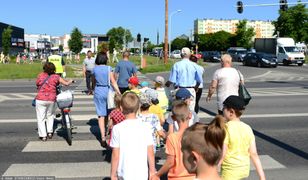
x,y
25,71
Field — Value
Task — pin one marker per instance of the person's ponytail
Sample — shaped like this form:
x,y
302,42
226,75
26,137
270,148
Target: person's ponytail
x,y
216,133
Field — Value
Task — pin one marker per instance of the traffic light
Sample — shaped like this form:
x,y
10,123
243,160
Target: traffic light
x,y
239,7
145,39
283,5
138,37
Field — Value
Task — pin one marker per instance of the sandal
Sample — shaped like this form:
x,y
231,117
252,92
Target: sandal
x,y
49,135
43,139
104,143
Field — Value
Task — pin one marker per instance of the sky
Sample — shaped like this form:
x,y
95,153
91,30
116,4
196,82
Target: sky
x,y
59,17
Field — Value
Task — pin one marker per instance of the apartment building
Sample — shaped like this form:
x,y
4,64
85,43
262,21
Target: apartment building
x,y
263,29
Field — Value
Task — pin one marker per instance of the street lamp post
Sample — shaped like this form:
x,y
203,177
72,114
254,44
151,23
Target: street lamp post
x,y
174,12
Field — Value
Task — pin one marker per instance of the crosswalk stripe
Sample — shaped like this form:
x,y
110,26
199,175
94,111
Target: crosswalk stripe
x,y
22,96
52,146
83,129
61,170
290,91
267,163
88,117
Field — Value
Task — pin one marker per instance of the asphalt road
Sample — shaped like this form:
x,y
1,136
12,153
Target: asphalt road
x,y
278,114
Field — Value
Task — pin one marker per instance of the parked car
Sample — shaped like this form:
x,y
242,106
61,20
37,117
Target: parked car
x,y
211,56
260,60
237,53
176,54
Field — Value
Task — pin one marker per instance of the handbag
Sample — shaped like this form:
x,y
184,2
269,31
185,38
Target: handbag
x,y
111,93
243,92
34,100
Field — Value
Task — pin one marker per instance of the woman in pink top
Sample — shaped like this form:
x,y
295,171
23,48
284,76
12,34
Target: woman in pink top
x,y
47,83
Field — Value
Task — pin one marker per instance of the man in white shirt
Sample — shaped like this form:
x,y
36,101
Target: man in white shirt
x,y
88,66
225,81
114,57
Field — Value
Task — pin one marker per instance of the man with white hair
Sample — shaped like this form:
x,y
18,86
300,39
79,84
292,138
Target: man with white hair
x,y
225,81
184,74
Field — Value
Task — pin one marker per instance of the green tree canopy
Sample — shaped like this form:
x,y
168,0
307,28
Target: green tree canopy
x,y
6,40
293,23
116,37
219,41
243,35
75,43
179,43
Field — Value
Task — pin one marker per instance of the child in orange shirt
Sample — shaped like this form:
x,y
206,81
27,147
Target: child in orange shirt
x,y
174,162
202,147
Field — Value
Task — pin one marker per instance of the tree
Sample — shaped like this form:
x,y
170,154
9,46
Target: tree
x,y
6,40
243,35
117,37
219,41
179,43
293,23
75,43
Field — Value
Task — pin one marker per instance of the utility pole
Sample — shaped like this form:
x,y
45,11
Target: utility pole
x,y
166,33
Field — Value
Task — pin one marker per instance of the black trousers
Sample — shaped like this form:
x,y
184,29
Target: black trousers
x,y
198,97
123,89
89,80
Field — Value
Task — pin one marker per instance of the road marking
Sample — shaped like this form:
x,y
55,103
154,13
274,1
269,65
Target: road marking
x,y
22,96
268,163
74,117
56,146
258,76
61,170
83,129
200,115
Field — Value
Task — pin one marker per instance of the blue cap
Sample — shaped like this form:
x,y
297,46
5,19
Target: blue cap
x,y
182,94
144,84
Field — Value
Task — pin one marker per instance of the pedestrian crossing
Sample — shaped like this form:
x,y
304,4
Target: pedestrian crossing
x,y
77,167
283,91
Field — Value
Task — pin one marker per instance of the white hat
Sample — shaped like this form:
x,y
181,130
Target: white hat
x,y
185,51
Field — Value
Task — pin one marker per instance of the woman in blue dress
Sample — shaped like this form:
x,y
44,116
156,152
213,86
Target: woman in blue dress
x,y
102,79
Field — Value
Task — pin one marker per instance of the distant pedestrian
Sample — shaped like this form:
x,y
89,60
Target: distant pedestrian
x,y
114,57
18,58
102,79
184,74
123,71
204,144
132,144
225,81
239,144
87,68
2,58
174,163
200,70
58,61
46,83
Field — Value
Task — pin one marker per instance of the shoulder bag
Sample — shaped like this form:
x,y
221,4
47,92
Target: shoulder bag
x,y
34,100
243,92
111,93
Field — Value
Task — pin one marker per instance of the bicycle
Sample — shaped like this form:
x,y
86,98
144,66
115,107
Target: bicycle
x,y
65,102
